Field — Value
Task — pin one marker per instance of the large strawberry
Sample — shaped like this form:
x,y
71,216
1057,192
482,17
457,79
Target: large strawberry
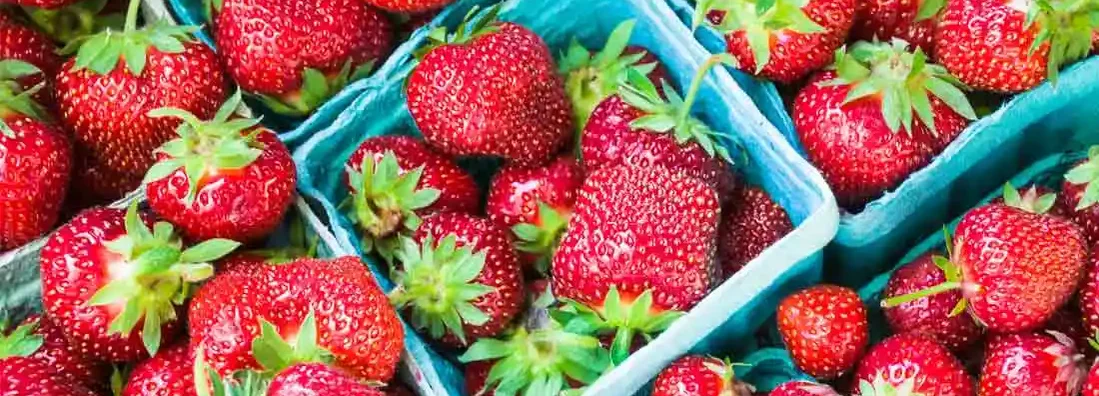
x,y
139,70
36,162
117,286
910,20
825,329
30,377
700,376
459,278
644,126
1034,199
780,40
335,303
1032,364
222,178
503,97
934,315
1088,297
170,372
750,222
803,388
638,252
318,379
1091,384
873,121
535,203
39,339
301,54
394,181
1080,193
1014,268
409,6
18,42
1008,47
915,362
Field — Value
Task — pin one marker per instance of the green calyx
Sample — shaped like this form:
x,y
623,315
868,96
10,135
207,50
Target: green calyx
x,y
101,52
316,89
929,9
541,239
954,281
1029,200
472,26
881,387
539,362
22,342
758,19
15,100
276,354
208,382
673,116
1067,26
437,284
591,78
624,319
160,277
203,146
383,201
1087,174
71,22
903,81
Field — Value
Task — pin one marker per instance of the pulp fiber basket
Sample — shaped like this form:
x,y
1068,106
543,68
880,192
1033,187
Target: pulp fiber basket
x,y
21,289
733,311
1045,120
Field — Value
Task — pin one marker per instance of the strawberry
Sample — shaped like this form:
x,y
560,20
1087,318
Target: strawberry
x,y
1091,384
36,161
221,178
476,374
520,114
1034,199
1009,47
849,120
162,68
750,223
638,252
700,376
1080,197
642,126
409,6
459,279
47,4
18,42
781,40
591,78
318,379
394,180
1032,364
825,329
331,310
1088,297
535,204
1014,268
303,53
170,372
803,388
30,377
910,20
913,362
39,339
933,315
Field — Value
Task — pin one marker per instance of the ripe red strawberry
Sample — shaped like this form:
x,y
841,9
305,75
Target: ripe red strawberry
x,y
303,53
47,4
520,114
913,362
932,315
1014,268
1091,384
528,358
117,286
1088,297
1009,47
1079,197
825,329
242,185
782,40
850,123
471,262
750,223
170,372
18,42
910,20
1034,199
39,339
402,181
117,136
640,240
1032,364
639,127
409,6
591,78
353,324
35,163
803,388
535,204
476,374
31,377
318,379
700,376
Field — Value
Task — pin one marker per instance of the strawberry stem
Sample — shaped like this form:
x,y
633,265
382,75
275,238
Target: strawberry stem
x,y
131,16
907,298
696,84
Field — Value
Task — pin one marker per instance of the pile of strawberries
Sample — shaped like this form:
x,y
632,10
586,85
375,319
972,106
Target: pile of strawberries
x,y
880,83
1010,307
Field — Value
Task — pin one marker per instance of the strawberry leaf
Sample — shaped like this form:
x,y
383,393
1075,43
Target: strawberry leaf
x,y
21,342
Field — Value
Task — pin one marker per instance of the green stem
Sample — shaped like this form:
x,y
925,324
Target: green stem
x,y
907,298
131,15
696,84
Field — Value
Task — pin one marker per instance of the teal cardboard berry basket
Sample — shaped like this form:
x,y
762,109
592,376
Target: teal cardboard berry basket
x,y
733,311
1045,120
